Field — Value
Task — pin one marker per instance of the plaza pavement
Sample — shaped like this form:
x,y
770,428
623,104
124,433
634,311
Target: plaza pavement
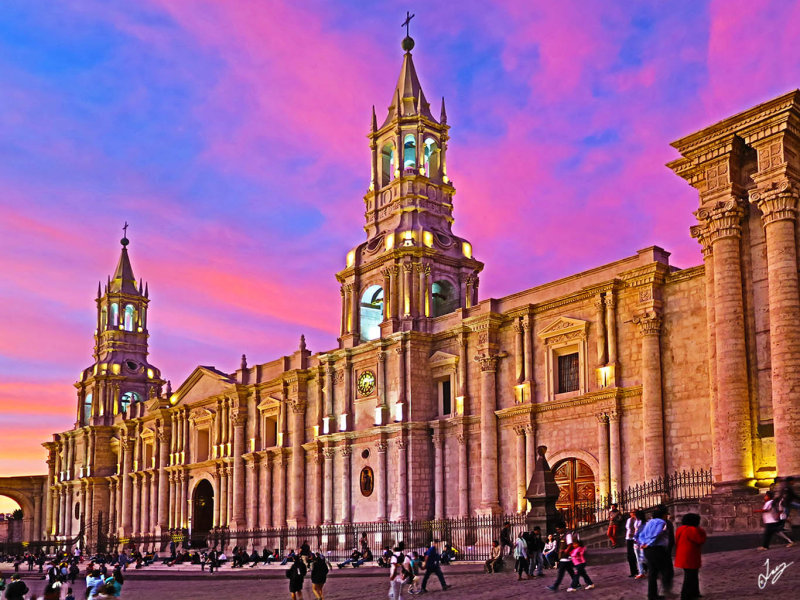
x,y
725,574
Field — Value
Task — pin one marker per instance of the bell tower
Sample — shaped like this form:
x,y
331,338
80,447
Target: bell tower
x,y
121,378
411,268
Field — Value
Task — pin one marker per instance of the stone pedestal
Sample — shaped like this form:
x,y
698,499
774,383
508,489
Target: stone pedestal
x,y
542,494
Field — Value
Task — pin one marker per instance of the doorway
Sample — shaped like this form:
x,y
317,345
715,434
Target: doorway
x,y
576,487
203,512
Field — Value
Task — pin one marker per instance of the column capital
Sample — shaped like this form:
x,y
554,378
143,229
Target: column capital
x,y
649,323
517,326
527,322
298,405
346,450
777,203
723,219
382,446
462,438
613,416
329,453
408,267
702,233
489,362
519,429
602,418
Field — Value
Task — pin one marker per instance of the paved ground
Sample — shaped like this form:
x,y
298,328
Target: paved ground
x,y
726,574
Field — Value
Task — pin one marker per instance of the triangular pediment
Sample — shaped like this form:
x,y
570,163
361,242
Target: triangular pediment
x,y
563,325
269,402
204,382
442,358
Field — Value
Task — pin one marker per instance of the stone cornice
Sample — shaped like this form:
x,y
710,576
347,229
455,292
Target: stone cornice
x,y
587,399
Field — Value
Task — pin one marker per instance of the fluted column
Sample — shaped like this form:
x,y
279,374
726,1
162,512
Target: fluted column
x,y
438,475
603,454
615,454
154,491
611,326
343,325
330,371
652,405
48,506
316,483
519,350
779,213
327,516
530,453
402,478
251,495
265,512
298,493
463,475
136,491
355,324
522,484
602,355
490,500
347,484
424,303
238,514
732,414
408,288
223,496
145,509
400,352
127,464
163,484
280,502
387,294
380,480
527,326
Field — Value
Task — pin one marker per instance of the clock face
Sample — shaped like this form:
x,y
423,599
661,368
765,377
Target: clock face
x,y
366,383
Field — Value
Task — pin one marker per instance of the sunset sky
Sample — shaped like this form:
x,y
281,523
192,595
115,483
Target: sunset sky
x,y
231,136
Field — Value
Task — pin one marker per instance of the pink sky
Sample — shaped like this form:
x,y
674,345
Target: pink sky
x,y
231,136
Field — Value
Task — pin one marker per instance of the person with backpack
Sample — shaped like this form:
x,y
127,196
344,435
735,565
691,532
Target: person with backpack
x,y
563,548
432,566
399,573
296,574
319,575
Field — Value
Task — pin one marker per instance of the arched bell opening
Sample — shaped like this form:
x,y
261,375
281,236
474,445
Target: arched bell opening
x,y
371,313
410,152
387,164
444,298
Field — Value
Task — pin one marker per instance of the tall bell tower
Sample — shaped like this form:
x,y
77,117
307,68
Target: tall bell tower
x,y
411,268
121,378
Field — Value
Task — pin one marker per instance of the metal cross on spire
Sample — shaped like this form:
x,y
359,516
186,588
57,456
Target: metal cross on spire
x,y
407,22
125,230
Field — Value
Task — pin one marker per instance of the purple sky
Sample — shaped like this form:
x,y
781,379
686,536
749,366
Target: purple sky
x,y
231,136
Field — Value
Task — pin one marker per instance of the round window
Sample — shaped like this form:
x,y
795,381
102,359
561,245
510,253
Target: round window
x,y
365,453
131,365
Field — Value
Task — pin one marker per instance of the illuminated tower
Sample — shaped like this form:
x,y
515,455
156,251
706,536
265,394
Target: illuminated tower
x,y
411,268
121,378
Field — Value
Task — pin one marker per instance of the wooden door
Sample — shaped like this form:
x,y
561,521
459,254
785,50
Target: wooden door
x,y
576,492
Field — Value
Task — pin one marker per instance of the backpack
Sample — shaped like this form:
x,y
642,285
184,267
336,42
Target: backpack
x,y
407,575
291,572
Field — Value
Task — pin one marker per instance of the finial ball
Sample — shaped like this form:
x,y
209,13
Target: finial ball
x,y
124,241
408,43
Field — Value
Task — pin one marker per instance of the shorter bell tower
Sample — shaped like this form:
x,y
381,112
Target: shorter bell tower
x,y
121,379
411,268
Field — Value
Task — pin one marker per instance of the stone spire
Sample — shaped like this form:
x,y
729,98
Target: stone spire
x,y
408,96
124,280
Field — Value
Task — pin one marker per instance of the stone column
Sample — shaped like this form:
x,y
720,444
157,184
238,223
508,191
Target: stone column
x,y
112,508
251,475
145,506
522,482
395,297
154,492
280,501
615,452
602,356
298,493
462,366
265,512
380,481
527,326
438,476
402,478
400,351
387,294
330,371
238,514
463,475
187,447
316,483
490,499
652,406
163,484
519,350
343,325
347,484
355,325
127,465
37,517
424,303
408,288
603,454
135,504
530,453
48,506
327,515
733,410
611,326
223,496
779,213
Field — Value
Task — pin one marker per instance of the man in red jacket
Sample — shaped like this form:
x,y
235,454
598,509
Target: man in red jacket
x,y
689,540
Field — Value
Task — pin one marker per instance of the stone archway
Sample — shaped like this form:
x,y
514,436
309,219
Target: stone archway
x,y
28,492
202,512
576,487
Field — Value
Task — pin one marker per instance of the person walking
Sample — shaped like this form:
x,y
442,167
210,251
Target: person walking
x,y
296,574
578,557
689,540
630,531
521,557
399,573
563,550
319,575
52,591
93,582
17,589
654,540
641,561
773,521
536,553
432,567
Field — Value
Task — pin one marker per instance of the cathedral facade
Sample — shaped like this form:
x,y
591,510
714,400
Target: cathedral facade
x,y
434,401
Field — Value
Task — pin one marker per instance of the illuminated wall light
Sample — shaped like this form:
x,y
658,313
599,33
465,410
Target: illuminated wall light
x,y
115,369
378,415
408,238
446,179
94,371
150,373
427,239
173,399
326,425
466,248
252,444
398,411
343,422
153,463
389,241
280,439
139,330
316,431
351,258
396,173
459,405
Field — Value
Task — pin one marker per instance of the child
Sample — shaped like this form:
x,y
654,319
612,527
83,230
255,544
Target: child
x,y
578,556
414,572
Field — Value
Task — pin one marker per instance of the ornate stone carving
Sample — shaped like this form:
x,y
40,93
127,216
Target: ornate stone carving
x,y
401,443
778,203
723,219
488,363
408,267
649,323
346,451
329,453
602,417
613,416
519,429
462,438
382,446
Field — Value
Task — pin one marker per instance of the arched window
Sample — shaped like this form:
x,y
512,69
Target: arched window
x,y
431,158
127,399
114,314
142,317
387,163
444,298
103,318
371,313
409,152
87,409
130,317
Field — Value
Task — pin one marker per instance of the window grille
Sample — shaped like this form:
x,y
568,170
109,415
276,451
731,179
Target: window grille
x,y
568,373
